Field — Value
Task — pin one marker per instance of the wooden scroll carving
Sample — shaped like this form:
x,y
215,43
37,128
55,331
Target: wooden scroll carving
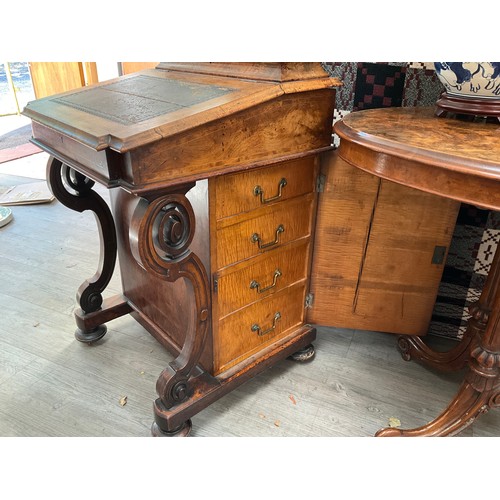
x,y
160,234
74,190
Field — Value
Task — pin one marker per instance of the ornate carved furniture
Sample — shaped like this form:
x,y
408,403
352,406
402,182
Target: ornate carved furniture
x,y
212,170
454,159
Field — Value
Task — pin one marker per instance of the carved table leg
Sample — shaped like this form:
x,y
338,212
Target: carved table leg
x,y
453,360
74,190
468,404
480,389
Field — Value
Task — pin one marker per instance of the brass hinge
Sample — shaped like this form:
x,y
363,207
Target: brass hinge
x,y
216,285
309,300
320,183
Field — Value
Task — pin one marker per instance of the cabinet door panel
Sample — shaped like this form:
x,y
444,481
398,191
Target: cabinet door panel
x,y
375,241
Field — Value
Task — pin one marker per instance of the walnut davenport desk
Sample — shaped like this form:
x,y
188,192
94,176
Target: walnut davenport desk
x,y
454,159
212,170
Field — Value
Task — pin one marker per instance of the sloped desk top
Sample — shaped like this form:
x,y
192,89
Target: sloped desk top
x,y
143,107
169,124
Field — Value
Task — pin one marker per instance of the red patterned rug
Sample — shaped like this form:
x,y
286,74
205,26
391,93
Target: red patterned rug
x,y
18,152
15,144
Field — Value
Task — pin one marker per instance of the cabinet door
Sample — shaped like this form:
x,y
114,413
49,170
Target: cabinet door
x,y
379,252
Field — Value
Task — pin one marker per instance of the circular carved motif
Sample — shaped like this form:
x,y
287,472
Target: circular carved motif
x,y
90,300
165,231
495,399
172,229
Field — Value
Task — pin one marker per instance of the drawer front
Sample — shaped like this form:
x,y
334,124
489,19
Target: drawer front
x,y
242,192
252,328
269,230
262,277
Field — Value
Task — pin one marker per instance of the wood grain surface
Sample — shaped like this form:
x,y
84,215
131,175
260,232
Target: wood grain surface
x,y
356,382
395,144
373,251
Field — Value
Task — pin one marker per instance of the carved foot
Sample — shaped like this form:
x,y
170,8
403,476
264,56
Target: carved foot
x,y
467,405
303,355
453,360
91,326
182,431
90,336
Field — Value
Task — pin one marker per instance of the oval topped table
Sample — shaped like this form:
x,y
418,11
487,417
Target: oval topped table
x,y
453,158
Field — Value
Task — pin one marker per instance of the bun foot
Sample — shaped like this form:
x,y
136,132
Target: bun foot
x,y
303,355
90,336
183,431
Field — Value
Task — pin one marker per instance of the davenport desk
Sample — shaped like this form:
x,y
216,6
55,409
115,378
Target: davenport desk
x,y
459,160
212,170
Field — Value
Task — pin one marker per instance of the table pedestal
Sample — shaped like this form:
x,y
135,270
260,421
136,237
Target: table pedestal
x,y
480,349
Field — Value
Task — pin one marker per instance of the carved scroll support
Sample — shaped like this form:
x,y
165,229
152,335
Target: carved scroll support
x,y
74,190
160,236
480,389
414,348
479,392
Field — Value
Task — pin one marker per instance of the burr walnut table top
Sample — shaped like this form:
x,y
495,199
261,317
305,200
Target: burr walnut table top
x,y
411,146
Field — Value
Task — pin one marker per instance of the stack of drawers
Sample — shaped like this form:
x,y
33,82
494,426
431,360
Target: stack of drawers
x,y
260,256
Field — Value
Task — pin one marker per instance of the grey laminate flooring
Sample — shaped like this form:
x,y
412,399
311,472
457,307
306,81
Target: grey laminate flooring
x,y
52,385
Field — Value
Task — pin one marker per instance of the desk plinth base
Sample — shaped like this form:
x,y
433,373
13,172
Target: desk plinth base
x,y
175,421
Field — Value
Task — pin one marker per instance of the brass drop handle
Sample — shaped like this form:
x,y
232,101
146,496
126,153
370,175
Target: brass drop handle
x,y
256,238
256,284
258,191
260,333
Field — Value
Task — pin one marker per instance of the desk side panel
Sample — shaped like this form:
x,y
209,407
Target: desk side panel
x,y
164,305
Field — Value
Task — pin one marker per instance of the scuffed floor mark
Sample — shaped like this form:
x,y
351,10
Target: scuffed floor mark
x,y
394,422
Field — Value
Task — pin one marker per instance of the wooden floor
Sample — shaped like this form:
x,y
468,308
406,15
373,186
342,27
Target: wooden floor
x,y
52,385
